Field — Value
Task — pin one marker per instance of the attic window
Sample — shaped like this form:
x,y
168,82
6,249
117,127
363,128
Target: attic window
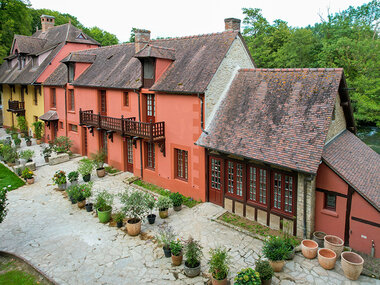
x,y
333,114
148,72
71,68
34,61
81,36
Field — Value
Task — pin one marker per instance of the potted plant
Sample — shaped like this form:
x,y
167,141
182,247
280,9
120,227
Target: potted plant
x,y
247,276
309,248
27,174
10,156
70,193
89,206
163,204
103,205
47,152
99,158
352,264
291,242
38,126
150,201
219,266
62,144
176,251
73,177
276,251
119,218
265,270
193,254
23,125
28,140
85,168
164,237
27,155
83,191
17,142
59,179
177,200
135,208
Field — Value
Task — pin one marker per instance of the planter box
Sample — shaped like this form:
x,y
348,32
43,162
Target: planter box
x,y
60,158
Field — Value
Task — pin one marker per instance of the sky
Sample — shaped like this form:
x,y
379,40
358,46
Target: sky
x,y
174,18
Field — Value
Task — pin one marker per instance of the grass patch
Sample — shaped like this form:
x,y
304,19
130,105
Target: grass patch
x,y
187,201
17,277
110,169
8,177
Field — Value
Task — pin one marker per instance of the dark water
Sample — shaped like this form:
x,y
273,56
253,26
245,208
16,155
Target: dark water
x,y
371,136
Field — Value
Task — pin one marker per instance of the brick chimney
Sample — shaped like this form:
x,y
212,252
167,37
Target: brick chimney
x,y
232,24
47,22
142,37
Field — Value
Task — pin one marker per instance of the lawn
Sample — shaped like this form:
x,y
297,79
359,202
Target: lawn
x,y
8,177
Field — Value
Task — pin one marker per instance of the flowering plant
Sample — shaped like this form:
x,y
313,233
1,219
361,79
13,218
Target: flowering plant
x,y
82,191
27,173
248,276
59,177
176,247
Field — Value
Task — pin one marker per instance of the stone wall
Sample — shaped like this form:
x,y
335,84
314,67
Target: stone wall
x,y
310,206
237,57
339,124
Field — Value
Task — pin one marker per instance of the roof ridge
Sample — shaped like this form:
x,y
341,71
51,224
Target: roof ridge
x,y
196,36
154,46
290,69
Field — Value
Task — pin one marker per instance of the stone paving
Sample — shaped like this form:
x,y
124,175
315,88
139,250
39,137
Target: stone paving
x,y
72,247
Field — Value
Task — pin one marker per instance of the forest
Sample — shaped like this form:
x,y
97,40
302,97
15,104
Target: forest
x,y
347,39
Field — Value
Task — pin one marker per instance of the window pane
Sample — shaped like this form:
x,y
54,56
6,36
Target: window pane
x,y
239,179
215,174
288,194
252,183
277,191
148,69
130,151
263,186
330,201
230,177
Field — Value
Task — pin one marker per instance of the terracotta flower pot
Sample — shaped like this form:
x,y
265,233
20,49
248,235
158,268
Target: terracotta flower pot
x,y
218,282
326,258
30,180
133,228
177,260
81,204
163,213
38,141
266,282
319,238
334,243
277,265
101,172
309,248
352,265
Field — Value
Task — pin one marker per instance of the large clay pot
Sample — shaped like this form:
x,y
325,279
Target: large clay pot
x,y
218,282
133,228
319,238
177,259
334,243
192,271
101,172
81,204
309,248
352,265
326,258
163,213
277,265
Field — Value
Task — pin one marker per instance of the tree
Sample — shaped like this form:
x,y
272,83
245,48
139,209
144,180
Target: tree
x,y
3,204
103,37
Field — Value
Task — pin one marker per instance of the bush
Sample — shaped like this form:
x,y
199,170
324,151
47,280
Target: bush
x,y
85,166
176,247
10,154
176,198
70,192
59,177
150,201
264,269
275,249
22,124
81,192
28,138
27,173
119,217
73,176
165,236
164,203
135,205
27,154
193,253
62,144
38,126
104,201
47,150
219,263
3,204
99,158
248,276
17,141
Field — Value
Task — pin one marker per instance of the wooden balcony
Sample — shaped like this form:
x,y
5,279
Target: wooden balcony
x,y
16,107
123,126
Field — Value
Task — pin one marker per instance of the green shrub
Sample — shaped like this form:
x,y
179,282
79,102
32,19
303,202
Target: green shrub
x,y
104,201
264,268
119,217
248,276
99,158
27,154
82,192
150,201
27,173
135,206
219,263
59,177
17,141
62,144
10,154
275,249
38,127
85,166
176,247
3,204
164,203
193,252
22,124
73,176
165,236
176,198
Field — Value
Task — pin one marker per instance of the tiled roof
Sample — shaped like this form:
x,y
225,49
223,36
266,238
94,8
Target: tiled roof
x,y
49,116
157,52
58,77
278,116
196,60
77,57
356,163
53,39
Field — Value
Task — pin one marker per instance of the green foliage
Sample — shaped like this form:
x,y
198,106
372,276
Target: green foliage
x,y
28,138
85,166
48,150
38,127
71,192
22,124
150,201
101,36
18,277
10,154
27,154
59,177
110,169
264,268
81,192
119,217
248,276
164,203
165,236
73,176
99,158
133,35
17,141
104,201
275,249
219,263
176,198
176,247
135,205
27,173
3,203
8,179
62,144
193,252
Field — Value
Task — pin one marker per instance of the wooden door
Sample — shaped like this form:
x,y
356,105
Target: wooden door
x,y
103,102
129,153
150,108
215,181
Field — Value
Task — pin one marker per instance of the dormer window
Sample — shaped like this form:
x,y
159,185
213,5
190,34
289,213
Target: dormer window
x,y
34,61
71,68
149,72
81,36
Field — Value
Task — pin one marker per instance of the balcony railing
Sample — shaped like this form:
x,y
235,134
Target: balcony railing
x,y
124,126
16,106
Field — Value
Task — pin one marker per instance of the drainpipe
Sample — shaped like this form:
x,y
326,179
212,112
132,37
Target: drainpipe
x,y
305,182
141,157
203,130
66,111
